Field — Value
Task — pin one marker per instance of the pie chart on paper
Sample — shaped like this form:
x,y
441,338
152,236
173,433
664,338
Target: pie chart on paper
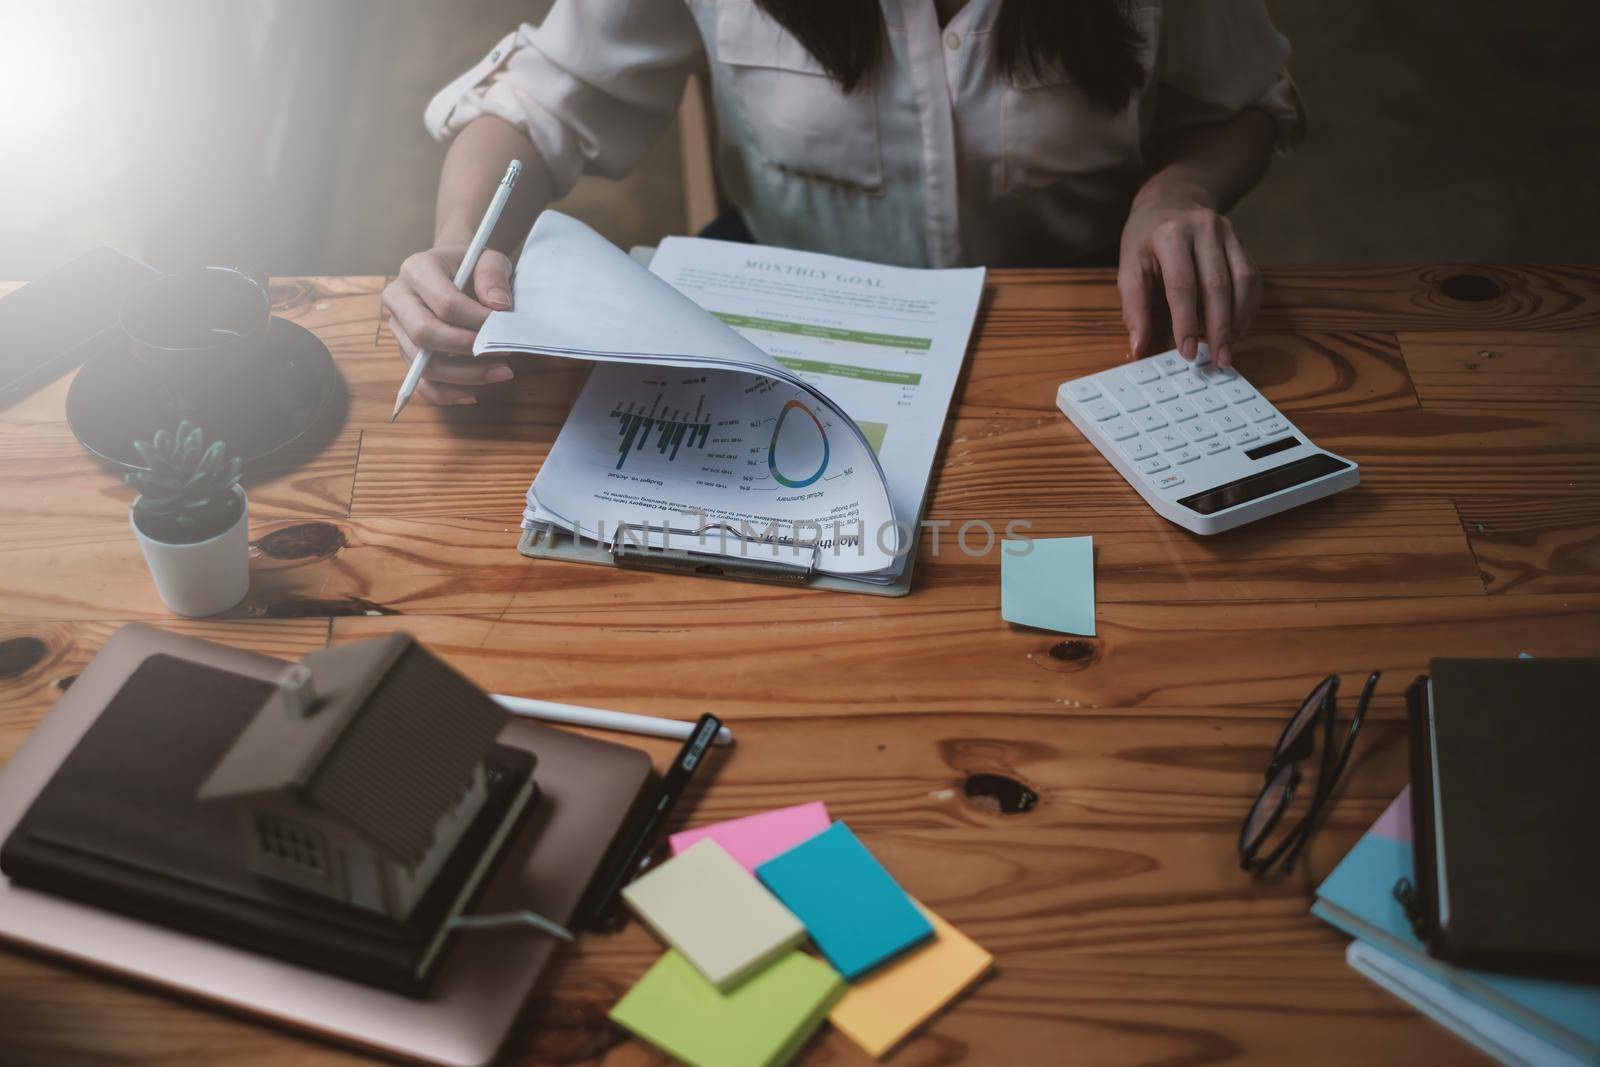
x,y
798,453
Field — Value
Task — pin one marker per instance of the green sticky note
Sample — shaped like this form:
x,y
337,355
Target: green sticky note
x,y
1048,583
761,1023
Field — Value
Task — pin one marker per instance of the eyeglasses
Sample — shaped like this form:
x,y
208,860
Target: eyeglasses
x,y
1262,845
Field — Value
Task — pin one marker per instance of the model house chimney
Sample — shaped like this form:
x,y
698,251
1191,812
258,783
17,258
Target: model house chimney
x,y
298,688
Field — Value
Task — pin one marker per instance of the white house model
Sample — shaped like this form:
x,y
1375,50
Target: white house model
x,y
360,773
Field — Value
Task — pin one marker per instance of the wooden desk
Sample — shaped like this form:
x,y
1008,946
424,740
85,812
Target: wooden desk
x,y
1072,804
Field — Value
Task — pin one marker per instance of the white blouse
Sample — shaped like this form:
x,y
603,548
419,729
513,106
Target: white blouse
x,y
938,160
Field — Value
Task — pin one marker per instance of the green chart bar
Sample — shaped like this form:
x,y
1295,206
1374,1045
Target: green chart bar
x,y
830,333
672,434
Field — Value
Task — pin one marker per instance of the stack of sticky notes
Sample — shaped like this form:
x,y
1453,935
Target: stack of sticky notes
x,y
755,839
762,1023
734,901
852,908
706,906
888,1004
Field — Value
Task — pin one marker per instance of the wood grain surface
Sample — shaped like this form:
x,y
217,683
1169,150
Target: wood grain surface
x,y
1072,803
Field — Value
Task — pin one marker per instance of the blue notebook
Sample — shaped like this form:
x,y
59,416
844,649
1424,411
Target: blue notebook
x,y
1358,898
854,911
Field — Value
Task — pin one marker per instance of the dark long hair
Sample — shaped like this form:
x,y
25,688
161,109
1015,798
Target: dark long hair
x,y
1090,41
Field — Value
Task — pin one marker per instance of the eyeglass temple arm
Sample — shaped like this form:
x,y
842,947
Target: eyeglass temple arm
x,y
1327,781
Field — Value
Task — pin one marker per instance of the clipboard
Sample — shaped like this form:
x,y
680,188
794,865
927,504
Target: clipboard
x,y
629,550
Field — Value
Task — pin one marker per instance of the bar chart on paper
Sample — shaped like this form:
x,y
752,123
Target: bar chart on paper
x,y
674,429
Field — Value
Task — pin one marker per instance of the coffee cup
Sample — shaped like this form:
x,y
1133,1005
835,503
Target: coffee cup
x,y
202,334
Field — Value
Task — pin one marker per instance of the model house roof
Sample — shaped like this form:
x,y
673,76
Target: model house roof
x,y
389,745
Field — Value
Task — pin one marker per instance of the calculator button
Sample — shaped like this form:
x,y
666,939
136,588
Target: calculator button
x,y
1257,411
1216,374
1172,363
1214,445
1199,430
1276,426
1083,392
1149,420
1243,437
1119,429
1178,411
1202,355
1154,465
1208,401
1127,395
1102,409
1144,371
1167,440
1186,454
1138,448
1167,481
1238,392
1160,391
1228,421
1191,382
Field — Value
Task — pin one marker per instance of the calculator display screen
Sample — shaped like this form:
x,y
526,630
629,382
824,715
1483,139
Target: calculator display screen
x,y
1256,486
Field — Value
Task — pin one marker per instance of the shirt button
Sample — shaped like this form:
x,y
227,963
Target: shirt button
x,y
952,41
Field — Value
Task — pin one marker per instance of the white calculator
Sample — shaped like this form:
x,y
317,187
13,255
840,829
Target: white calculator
x,y
1199,443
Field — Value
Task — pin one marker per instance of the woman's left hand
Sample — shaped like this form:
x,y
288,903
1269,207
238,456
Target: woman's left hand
x,y
1175,244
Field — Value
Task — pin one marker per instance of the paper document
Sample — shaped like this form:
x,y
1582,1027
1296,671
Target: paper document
x,y
750,400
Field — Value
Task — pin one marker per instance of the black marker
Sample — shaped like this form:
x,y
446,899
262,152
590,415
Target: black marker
x,y
631,849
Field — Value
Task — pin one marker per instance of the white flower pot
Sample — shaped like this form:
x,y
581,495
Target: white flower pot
x,y
206,577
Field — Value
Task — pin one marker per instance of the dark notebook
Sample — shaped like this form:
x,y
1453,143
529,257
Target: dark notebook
x,y
1503,809
118,827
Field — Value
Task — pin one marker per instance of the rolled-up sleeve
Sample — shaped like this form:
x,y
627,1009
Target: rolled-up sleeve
x,y
1219,58
593,86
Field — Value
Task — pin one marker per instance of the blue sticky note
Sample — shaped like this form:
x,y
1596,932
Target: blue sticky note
x,y
1048,583
853,909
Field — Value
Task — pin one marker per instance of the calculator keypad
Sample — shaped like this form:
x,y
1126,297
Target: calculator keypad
x,y
1166,415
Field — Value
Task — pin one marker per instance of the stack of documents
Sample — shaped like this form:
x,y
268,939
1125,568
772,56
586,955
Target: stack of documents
x,y
749,400
732,991
1517,1020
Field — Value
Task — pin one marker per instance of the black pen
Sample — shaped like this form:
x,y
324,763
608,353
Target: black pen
x,y
631,850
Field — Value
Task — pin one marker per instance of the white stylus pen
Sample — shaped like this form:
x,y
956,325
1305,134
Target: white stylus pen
x,y
469,263
625,721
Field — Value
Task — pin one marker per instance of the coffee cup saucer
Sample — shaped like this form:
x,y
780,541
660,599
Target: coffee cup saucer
x,y
116,399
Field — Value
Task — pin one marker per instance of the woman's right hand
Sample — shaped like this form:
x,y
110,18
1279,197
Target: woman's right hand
x,y
426,310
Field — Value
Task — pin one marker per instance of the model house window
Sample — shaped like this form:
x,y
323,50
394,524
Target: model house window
x,y
290,845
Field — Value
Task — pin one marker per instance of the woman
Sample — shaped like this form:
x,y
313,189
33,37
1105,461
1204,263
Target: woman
x,y
919,132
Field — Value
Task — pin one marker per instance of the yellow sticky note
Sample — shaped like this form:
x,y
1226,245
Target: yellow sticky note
x,y
884,1007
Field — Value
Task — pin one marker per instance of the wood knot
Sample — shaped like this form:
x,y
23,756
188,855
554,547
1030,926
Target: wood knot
x,y
21,654
303,540
567,1027
998,792
285,295
1072,651
1470,288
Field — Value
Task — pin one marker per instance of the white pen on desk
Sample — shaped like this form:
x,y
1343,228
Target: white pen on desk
x,y
469,263
601,719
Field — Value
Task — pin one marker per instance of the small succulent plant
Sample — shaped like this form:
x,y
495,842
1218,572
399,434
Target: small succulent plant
x,y
187,494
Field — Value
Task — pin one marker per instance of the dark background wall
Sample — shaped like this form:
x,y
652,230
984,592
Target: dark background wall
x,y
286,134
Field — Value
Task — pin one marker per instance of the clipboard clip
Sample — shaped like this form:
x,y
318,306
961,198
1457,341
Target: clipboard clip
x,y
649,548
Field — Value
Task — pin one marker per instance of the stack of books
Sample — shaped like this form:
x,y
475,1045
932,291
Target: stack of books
x,y
736,903
1515,1019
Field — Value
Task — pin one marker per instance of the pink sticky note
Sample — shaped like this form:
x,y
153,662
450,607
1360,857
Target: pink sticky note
x,y
755,839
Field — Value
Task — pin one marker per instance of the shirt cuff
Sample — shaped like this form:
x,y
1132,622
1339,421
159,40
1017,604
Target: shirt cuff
x,y
474,94
1283,105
